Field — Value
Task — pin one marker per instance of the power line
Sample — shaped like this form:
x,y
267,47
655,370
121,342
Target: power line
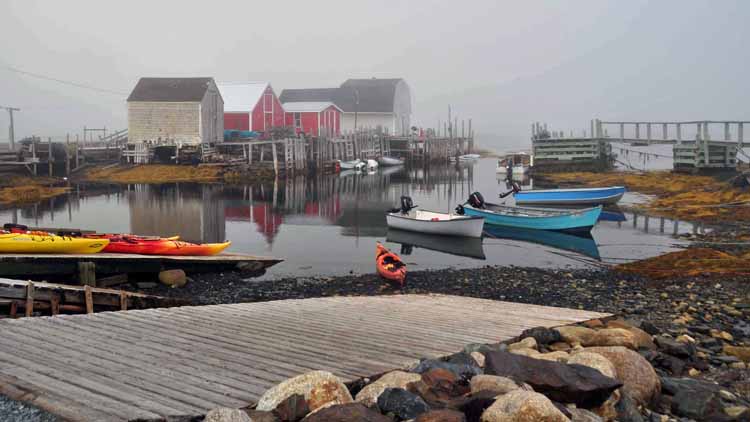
x,y
64,82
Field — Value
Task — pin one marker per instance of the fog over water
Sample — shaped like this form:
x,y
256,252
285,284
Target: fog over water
x,y
504,64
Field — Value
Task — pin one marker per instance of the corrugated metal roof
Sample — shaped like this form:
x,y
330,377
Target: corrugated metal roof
x,y
361,95
308,95
170,89
308,106
241,97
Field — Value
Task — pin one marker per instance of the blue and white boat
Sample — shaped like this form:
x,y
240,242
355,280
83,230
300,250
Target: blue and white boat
x,y
567,220
581,196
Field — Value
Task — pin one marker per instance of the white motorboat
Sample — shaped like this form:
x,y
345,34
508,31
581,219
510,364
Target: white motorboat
x,y
353,164
390,161
468,157
432,222
519,163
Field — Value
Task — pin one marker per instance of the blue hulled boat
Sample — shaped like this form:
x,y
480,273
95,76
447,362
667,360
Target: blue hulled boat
x,y
567,220
582,196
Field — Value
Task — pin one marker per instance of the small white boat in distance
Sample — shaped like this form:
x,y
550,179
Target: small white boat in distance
x,y
353,164
372,165
431,222
467,157
390,161
518,163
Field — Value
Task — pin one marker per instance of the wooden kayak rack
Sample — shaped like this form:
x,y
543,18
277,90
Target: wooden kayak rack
x,y
23,298
85,268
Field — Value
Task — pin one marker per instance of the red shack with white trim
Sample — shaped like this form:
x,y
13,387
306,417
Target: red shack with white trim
x,y
251,106
313,118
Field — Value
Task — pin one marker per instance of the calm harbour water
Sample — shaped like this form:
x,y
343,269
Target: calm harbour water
x,y
329,225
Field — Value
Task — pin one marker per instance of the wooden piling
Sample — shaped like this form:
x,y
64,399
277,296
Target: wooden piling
x,y
49,157
29,299
89,299
87,273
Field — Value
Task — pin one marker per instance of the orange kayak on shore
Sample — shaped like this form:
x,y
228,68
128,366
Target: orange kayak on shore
x,y
389,265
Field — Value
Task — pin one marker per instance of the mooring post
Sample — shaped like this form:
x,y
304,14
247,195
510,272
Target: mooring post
x,y
33,155
637,131
679,133
622,132
29,299
664,131
648,133
67,155
49,156
78,163
89,299
275,159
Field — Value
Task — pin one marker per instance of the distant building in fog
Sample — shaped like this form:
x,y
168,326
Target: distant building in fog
x,y
175,111
251,106
316,118
366,103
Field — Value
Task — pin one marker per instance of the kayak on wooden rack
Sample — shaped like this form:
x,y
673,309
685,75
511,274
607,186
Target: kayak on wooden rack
x,y
161,246
45,243
389,265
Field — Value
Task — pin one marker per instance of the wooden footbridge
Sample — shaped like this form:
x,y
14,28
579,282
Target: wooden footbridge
x,y
150,364
694,147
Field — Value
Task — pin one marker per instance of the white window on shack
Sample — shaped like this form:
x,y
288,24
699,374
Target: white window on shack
x,y
298,120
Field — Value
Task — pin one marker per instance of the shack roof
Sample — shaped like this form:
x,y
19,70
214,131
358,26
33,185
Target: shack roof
x,y
361,95
242,97
308,106
170,89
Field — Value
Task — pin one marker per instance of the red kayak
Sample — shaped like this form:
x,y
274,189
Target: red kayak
x,y
129,244
389,265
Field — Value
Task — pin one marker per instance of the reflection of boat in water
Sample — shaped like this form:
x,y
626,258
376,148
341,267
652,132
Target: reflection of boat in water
x,y
612,214
460,246
582,243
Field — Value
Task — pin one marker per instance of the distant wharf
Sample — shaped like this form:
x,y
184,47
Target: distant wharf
x,y
149,364
694,148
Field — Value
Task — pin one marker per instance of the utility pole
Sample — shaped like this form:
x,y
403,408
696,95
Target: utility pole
x,y
11,131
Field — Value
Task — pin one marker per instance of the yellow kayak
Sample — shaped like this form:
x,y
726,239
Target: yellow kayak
x,y
49,244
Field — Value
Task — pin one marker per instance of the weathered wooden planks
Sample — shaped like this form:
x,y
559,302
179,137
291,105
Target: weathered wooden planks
x,y
54,297
108,264
184,361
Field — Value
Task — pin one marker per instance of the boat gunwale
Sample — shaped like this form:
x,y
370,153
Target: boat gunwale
x,y
460,217
569,190
552,212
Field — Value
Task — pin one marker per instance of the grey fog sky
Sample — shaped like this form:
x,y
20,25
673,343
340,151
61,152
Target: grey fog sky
x,y
502,63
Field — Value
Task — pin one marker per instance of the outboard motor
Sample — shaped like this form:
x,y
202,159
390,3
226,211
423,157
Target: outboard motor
x,y
406,204
476,200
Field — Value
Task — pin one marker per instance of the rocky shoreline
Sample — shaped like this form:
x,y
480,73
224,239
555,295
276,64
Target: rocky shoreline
x,y
690,337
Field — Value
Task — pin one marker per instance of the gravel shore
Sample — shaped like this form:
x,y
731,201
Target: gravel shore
x,y
715,314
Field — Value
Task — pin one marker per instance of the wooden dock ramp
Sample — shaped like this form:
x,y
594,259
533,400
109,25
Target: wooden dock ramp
x,y
148,364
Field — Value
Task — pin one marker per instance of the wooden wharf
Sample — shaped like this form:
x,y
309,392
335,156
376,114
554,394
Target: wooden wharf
x,y
693,147
158,363
87,267
53,299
